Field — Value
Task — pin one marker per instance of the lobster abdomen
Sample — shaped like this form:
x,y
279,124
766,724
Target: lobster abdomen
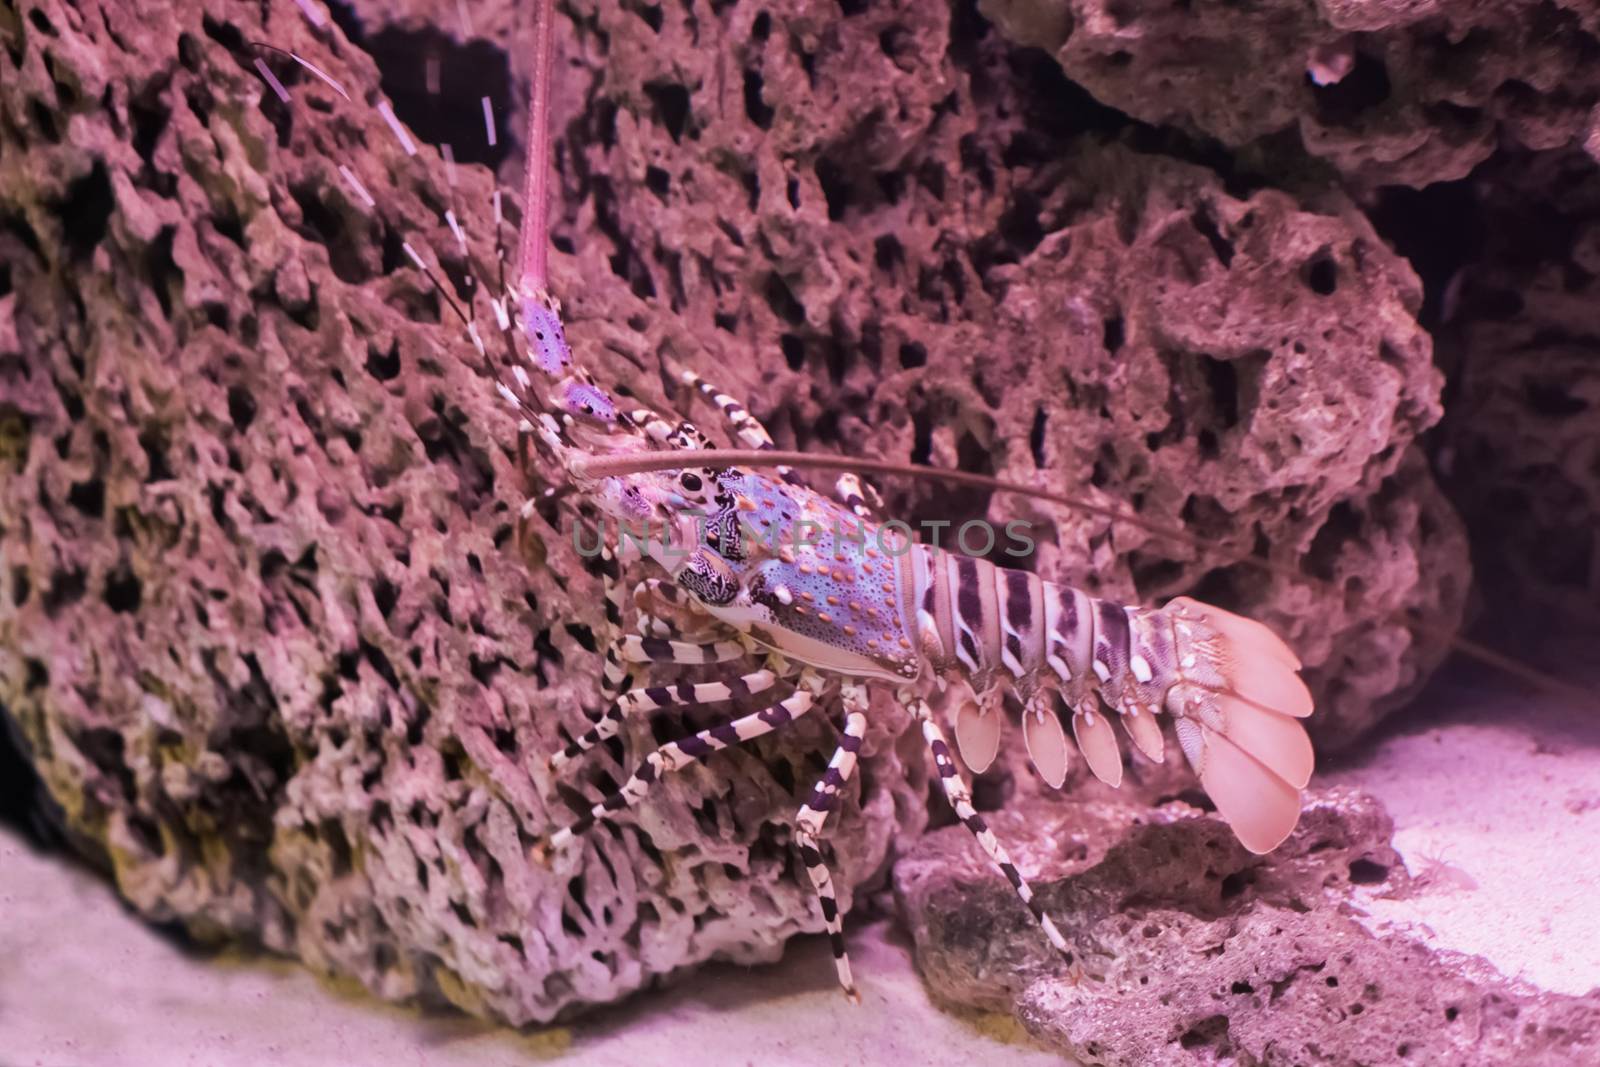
x,y
1229,684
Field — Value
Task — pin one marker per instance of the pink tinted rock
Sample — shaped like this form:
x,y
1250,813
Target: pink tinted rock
x,y
1189,949
1402,91
265,626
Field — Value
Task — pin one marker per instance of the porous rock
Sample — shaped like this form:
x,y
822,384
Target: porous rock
x,y
1400,91
1188,949
263,621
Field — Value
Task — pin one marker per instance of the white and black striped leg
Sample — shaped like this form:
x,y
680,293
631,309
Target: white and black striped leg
x,y
808,828
635,648
960,797
746,427
654,698
858,496
676,755
681,434
615,679
665,611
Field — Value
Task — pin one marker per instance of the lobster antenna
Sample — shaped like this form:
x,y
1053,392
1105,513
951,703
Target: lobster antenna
x,y
596,467
533,256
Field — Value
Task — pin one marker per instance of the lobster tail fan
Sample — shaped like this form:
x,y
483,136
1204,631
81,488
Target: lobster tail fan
x,y
1238,711
1261,807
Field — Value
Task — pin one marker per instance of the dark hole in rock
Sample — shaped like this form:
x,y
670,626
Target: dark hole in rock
x,y
1451,1013
1366,872
913,355
483,670
1221,247
761,27
66,587
782,772
384,366
1036,436
463,914
835,188
888,253
1212,1030
165,276
124,591
1241,987
241,407
922,446
672,106
782,301
651,14
1322,275
657,181
467,72
1366,86
1223,382
89,497
794,351
583,635
44,121
85,211
385,594
1020,226
755,106
1112,335
328,228
380,663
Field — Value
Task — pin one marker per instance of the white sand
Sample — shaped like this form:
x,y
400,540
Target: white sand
x,y
1502,791
1496,803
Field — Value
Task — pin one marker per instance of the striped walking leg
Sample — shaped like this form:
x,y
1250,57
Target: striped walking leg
x,y
676,755
665,611
654,698
808,828
622,649
960,797
858,496
746,427
615,679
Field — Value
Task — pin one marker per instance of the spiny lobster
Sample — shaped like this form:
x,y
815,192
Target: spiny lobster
x,y
814,598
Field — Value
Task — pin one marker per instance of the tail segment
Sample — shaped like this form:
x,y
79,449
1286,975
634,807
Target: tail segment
x,y
1237,703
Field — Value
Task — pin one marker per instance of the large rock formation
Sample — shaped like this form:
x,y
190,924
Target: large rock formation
x,y
262,622
1387,92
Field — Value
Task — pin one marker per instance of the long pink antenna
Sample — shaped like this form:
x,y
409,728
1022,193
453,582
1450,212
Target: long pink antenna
x,y
533,260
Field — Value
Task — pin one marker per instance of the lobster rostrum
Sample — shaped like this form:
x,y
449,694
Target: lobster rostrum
x,y
807,599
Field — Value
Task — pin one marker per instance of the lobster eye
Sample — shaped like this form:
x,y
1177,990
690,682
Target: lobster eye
x,y
690,481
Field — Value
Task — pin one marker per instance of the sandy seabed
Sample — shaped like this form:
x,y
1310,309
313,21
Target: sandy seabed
x,y
1496,801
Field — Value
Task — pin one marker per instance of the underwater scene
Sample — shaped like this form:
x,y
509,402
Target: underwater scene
x,y
799,532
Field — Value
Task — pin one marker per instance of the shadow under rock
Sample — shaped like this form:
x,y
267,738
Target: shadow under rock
x,y
24,803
